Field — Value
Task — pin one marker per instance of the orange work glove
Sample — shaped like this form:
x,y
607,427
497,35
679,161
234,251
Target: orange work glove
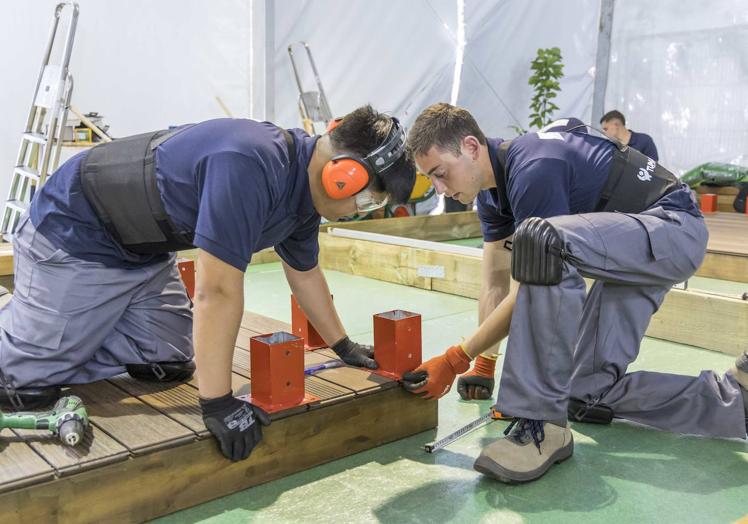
x,y
478,383
433,379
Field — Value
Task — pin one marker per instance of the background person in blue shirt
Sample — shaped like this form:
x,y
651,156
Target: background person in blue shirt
x,y
576,205
97,290
614,125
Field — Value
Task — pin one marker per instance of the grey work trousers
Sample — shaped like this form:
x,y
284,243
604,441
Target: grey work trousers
x,y
564,342
72,321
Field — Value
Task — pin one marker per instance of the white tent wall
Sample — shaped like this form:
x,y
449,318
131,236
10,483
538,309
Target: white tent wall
x,y
400,56
679,72
679,68
142,64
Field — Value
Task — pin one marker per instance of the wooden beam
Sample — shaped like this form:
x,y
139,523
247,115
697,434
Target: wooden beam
x,y
168,480
703,320
709,321
449,226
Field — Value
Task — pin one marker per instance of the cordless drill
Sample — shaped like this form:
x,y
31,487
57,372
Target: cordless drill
x,y
67,420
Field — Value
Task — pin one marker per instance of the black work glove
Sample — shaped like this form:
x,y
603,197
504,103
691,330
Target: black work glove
x,y
355,354
475,387
237,425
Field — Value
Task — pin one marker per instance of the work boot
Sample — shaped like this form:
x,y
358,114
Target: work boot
x,y
162,371
530,448
740,372
580,411
28,399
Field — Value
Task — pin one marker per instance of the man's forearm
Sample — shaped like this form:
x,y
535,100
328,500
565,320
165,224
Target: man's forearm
x,y
488,301
494,328
217,317
313,295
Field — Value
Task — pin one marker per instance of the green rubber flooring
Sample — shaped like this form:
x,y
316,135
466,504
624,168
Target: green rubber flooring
x,y
619,474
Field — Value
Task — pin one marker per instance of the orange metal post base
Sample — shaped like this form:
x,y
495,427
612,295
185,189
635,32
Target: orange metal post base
x,y
186,268
708,203
397,342
301,327
277,372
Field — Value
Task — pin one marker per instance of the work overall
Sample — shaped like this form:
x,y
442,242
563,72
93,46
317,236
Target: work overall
x,y
76,321
566,342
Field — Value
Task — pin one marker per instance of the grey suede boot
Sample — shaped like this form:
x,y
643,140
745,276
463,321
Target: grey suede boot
x,y
530,448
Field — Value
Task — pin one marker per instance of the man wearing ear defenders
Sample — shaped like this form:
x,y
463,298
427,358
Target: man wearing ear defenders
x,y
578,205
97,290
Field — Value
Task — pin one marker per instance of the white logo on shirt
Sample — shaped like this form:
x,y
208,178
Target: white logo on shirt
x,y
644,173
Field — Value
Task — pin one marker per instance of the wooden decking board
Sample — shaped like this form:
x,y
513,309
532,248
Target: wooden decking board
x,y
136,425
97,449
362,381
20,465
261,325
177,401
728,233
168,480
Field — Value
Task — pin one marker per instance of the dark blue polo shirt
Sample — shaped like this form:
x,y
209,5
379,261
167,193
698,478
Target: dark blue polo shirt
x,y
560,170
230,181
644,144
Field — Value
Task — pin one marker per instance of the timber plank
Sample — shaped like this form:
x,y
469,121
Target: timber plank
x,y
171,479
262,325
178,401
362,381
19,464
704,320
136,425
451,226
96,449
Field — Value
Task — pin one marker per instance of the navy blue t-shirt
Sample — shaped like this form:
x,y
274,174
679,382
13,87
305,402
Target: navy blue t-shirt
x,y
550,173
644,144
553,172
230,181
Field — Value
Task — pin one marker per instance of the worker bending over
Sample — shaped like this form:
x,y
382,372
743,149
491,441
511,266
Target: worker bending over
x,y
579,206
97,290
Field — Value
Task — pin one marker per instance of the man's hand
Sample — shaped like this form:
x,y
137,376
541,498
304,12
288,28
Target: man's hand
x,y
478,383
355,354
237,425
433,379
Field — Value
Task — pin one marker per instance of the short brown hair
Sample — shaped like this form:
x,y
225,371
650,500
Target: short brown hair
x,y
613,115
444,126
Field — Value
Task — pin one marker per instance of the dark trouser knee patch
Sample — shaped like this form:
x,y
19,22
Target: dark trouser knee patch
x,y
537,253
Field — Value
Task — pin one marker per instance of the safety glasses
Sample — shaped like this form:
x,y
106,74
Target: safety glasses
x,y
366,202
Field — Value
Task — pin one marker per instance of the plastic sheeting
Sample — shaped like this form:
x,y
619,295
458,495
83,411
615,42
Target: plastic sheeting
x,y
679,72
400,56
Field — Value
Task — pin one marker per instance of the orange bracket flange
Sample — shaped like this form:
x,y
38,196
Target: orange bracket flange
x,y
277,372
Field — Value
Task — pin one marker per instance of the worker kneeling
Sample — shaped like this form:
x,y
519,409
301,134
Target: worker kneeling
x,y
97,291
579,205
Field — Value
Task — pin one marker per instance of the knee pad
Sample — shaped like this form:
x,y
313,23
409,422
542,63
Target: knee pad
x,y
537,254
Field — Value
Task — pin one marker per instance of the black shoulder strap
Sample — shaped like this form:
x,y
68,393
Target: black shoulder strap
x,y
501,180
290,144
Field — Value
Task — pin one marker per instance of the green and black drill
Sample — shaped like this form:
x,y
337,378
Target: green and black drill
x,y
67,420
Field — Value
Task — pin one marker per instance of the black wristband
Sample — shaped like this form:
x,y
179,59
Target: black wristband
x,y
214,405
341,346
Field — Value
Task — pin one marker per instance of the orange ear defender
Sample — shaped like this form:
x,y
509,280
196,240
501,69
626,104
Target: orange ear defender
x,y
346,175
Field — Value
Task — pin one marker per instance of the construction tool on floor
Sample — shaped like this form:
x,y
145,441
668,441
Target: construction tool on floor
x,y
313,105
41,141
67,420
456,435
311,370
